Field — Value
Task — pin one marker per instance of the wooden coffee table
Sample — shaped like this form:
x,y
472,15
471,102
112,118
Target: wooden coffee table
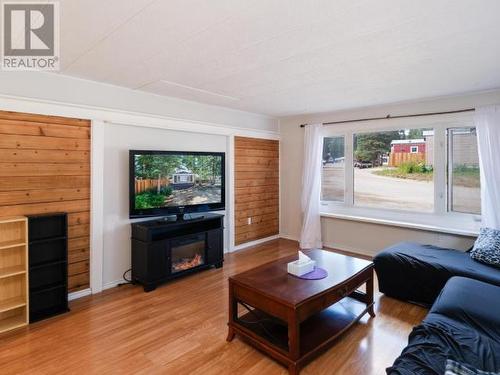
x,y
291,319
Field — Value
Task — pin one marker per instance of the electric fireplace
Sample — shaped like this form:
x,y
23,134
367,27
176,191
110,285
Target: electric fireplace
x,y
163,250
188,252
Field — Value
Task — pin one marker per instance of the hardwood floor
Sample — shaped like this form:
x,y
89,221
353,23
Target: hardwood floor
x,y
181,329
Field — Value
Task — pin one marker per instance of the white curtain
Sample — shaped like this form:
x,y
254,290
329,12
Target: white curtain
x,y
310,236
487,121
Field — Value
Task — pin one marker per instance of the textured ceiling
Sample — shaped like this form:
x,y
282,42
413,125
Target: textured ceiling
x,y
284,57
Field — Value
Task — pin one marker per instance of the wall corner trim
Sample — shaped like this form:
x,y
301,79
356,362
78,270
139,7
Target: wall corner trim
x,y
97,206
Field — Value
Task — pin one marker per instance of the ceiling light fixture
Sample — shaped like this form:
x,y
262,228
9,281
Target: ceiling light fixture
x,y
198,90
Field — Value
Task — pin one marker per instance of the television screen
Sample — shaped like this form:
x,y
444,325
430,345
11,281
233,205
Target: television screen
x,y
167,182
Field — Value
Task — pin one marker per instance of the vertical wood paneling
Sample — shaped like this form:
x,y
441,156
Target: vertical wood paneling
x,y
256,188
44,168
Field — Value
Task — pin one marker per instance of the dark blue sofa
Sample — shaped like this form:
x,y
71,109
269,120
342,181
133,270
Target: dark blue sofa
x,y
462,325
417,273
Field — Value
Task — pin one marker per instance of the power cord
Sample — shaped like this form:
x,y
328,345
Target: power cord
x,y
127,281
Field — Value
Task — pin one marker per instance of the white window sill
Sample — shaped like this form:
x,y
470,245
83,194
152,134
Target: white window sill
x,y
455,223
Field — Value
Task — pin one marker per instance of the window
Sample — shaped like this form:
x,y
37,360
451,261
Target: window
x,y
414,169
464,193
333,170
389,174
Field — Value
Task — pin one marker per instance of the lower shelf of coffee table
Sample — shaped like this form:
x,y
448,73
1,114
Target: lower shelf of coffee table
x,y
314,332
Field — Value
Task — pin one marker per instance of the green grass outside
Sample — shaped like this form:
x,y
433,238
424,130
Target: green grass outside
x,y
396,173
462,175
409,170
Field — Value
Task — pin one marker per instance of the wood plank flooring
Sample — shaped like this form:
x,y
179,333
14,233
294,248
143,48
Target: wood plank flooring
x,y
181,328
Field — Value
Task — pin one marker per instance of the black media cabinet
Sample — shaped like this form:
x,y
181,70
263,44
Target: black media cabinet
x,y
48,265
163,250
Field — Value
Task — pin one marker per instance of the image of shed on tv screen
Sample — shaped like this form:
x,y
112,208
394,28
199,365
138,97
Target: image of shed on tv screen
x,y
177,180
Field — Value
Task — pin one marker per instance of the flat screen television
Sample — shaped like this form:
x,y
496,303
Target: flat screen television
x,y
165,183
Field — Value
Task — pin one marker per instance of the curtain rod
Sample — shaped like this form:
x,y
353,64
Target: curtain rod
x,y
388,117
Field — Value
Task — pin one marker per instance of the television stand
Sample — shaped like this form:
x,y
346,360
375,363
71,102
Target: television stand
x,y
179,217
163,250
189,217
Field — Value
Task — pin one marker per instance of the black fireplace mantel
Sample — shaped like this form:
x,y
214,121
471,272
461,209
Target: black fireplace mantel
x,y
163,250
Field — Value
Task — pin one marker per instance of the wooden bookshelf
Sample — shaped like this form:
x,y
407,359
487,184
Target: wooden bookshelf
x,y
14,296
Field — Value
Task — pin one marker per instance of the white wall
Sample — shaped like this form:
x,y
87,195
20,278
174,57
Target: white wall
x,y
369,238
350,235
127,119
64,89
118,140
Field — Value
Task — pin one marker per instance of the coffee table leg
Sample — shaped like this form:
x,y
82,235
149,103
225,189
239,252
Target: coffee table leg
x,y
230,335
369,296
233,308
293,342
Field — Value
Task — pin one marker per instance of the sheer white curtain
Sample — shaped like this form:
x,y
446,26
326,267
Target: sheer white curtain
x,y
310,236
487,121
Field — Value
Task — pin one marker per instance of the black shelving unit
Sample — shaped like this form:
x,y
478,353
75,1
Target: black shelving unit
x,y
48,265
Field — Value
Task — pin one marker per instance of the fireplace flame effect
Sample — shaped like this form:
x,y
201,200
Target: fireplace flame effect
x,y
187,263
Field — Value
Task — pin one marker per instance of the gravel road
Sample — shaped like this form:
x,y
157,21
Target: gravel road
x,y
395,193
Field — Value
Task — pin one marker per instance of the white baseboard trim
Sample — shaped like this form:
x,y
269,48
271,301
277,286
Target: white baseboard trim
x,y
256,242
349,249
335,245
112,284
88,291
79,294
289,237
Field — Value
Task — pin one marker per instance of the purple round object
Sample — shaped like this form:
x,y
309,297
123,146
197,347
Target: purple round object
x,y
316,274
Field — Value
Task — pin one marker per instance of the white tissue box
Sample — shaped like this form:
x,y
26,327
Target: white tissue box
x,y
299,269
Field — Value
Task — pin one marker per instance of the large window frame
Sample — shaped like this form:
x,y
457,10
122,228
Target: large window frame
x,y
455,222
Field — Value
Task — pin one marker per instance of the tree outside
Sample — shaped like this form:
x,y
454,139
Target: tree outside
x,y
370,147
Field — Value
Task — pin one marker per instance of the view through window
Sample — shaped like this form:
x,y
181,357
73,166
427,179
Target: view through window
x,y
394,169
464,193
333,171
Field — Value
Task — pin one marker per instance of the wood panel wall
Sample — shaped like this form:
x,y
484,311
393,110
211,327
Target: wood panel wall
x,y
256,188
45,168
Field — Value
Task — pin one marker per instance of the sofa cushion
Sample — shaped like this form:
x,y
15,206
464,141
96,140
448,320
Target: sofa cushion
x,y
417,273
462,326
487,247
472,303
